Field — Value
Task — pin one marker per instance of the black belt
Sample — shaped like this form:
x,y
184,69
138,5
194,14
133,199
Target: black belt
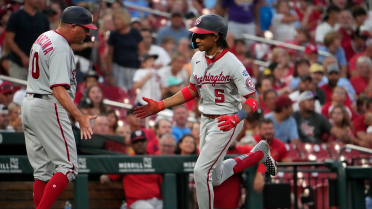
x,y
40,96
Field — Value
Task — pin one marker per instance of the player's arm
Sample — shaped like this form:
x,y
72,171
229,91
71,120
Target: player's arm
x,y
9,39
188,93
84,120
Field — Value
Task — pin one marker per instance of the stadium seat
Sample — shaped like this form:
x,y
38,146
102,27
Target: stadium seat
x,y
293,153
314,152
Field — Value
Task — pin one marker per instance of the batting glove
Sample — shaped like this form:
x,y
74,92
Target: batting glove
x,y
229,122
151,108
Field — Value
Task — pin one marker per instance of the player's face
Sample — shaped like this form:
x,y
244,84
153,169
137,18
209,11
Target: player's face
x,y
139,146
206,41
80,33
266,131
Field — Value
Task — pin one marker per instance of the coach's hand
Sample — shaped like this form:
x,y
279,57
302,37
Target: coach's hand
x,y
229,122
151,108
85,129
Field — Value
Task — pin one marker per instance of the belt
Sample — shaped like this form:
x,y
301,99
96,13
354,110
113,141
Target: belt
x,y
41,96
210,117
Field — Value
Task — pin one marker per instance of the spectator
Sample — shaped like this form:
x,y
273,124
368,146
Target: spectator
x,y
317,73
311,53
174,85
135,124
263,85
90,79
167,145
353,60
362,83
306,84
94,93
134,12
4,120
283,22
276,70
285,125
250,128
281,56
23,28
86,106
330,23
229,193
147,80
6,93
113,120
100,125
149,48
186,145
339,3
358,42
332,44
15,119
183,47
141,190
303,38
278,151
361,124
56,8
339,118
346,26
162,127
175,69
239,49
308,15
168,44
360,15
339,96
124,45
124,131
269,97
4,17
301,68
176,30
180,115
333,75
243,17
195,132
312,125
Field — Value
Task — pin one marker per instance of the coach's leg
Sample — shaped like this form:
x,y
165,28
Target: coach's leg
x,y
214,149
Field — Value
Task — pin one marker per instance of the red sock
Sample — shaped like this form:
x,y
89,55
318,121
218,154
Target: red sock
x,y
38,190
245,161
53,189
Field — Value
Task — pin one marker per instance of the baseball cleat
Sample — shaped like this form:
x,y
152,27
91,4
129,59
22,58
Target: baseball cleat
x,y
267,160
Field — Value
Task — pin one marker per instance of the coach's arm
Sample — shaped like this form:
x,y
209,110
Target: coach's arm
x,y
84,120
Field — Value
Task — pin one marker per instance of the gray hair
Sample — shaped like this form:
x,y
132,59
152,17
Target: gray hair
x,y
168,136
364,59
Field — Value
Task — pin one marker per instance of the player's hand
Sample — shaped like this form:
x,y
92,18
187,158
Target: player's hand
x,y
229,122
151,108
25,60
85,129
104,179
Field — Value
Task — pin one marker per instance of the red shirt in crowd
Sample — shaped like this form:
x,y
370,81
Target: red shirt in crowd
x,y
352,61
359,124
359,83
278,152
227,195
328,93
346,37
350,50
313,20
328,107
140,186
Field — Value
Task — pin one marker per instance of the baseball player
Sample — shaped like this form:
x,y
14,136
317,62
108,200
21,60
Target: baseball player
x,y
219,79
51,87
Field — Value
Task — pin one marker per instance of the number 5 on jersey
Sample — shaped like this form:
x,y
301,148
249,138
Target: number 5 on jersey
x,y
220,97
35,72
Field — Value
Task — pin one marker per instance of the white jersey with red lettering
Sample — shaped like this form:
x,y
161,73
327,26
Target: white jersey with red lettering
x,y
220,83
51,64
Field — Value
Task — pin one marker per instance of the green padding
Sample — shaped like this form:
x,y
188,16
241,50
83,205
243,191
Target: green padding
x,y
357,172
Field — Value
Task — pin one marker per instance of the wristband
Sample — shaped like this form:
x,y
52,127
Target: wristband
x,y
242,114
193,87
252,103
187,94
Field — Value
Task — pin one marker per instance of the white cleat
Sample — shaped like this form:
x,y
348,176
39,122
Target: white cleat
x,y
267,160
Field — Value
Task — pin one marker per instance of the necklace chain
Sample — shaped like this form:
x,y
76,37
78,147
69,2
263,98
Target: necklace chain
x,y
211,56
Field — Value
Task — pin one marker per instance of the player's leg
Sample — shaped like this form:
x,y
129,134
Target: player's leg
x,y
141,204
214,149
54,132
43,168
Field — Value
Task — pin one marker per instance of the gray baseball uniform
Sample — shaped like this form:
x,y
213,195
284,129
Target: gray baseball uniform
x,y
219,84
50,142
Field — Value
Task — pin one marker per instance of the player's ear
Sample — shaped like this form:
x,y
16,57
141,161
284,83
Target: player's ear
x,y
216,37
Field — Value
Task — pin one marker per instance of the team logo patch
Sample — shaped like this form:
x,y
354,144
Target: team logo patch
x,y
197,21
245,73
249,83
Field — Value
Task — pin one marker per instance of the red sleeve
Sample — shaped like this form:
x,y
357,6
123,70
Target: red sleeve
x,y
352,63
325,111
359,124
348,101
115,177
261,168
283,153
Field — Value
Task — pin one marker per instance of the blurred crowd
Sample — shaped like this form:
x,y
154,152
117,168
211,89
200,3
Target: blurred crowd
x,y
321,94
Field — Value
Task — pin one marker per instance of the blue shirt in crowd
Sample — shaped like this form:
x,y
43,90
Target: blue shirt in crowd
x,y
179,132
134,12
286,131
176,35
340,55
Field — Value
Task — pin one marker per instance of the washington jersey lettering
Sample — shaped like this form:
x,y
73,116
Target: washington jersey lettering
x,y
51,64
220,83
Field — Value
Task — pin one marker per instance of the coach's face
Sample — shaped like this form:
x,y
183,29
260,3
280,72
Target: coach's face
x,y
206,41
80,33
